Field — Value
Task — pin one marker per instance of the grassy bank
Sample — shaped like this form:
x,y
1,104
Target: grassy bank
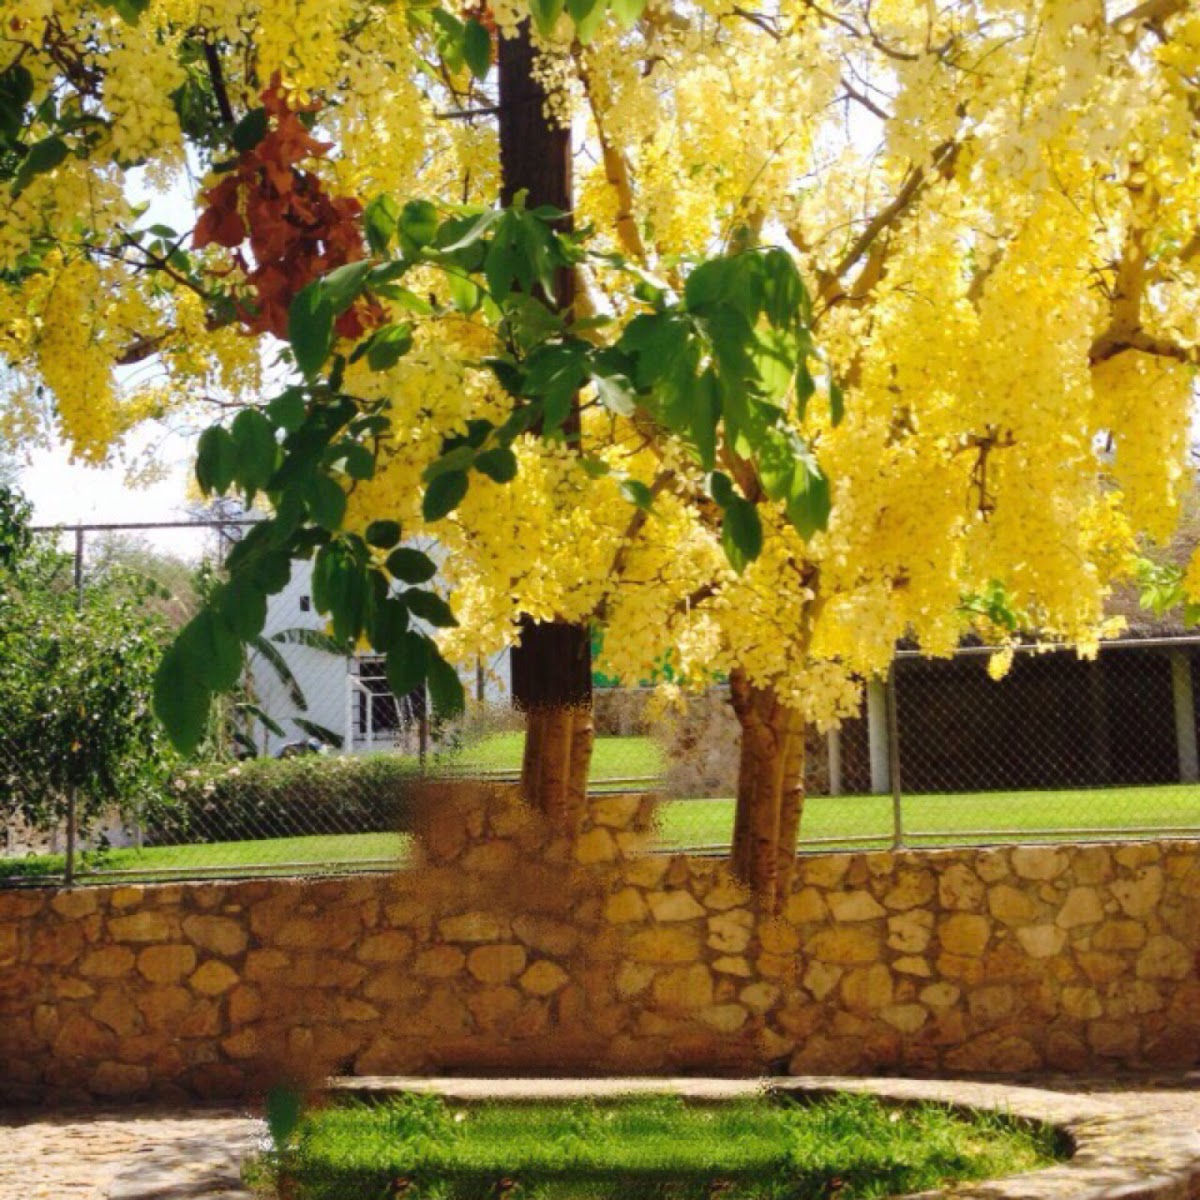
x,y
421,1148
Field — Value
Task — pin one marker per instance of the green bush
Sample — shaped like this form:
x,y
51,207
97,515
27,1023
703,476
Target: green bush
x,y
268,798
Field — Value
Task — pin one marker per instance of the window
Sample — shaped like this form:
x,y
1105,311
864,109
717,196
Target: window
x,y
389,714
306,604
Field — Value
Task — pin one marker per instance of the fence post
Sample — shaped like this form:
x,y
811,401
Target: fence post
x,y
893,732
72,795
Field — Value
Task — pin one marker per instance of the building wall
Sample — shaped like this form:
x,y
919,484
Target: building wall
x,y
511,949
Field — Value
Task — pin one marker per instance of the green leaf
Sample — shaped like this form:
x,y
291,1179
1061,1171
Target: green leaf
x,y
418,223
181,701
499,464
546,14
43,156
811,501
310,328
637,493
407,662
250,130
837,401
257,450
628,11
130,11
380,219
554,374
444,494
706,414
244,606
343,285
212,650
445,688
588,16
465,293
216,460
741,533
616,393
477,49
389,345
326,502
411,566
430,607
383,535
720,486
288,410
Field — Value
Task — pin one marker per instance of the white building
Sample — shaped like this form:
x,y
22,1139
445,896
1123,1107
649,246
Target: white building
x,y
345,700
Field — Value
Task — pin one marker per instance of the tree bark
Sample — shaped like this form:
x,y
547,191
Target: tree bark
x,y
770,796
552,662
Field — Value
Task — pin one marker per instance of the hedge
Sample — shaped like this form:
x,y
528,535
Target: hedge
x,y
291,797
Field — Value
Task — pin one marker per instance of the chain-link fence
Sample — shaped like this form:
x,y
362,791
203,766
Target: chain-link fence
x,y
312,764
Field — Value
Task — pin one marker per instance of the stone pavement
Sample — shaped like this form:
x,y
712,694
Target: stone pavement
x,y
133,1153
1135,1139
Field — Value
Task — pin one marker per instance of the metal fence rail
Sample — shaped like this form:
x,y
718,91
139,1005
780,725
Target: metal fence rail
x,y
311,767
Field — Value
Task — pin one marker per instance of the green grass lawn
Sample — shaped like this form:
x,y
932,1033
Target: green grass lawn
x,y
424,1147
830,822
612,757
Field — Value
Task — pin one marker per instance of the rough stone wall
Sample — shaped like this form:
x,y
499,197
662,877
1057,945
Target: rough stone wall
x,y
513,950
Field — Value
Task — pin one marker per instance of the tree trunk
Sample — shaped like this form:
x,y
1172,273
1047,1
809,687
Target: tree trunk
x,y
552,662
770,794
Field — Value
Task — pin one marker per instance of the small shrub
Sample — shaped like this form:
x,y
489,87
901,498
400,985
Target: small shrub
x,y
268,798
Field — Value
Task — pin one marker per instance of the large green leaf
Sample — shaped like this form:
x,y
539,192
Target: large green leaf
x,y
257,450
310,328
741,533
445,688
411,566
477,48
216,460
444,494
407,663
429,607
181,701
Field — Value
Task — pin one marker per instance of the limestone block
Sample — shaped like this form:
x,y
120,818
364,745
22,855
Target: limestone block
x,y
648,872
615,811
1101,967
625,906
760,997
729,932
1041,941
964,934
913,887
824,871
166,964
1139,896
596,846
1120,935
546,934
994,1052
149,925
724,1018
1082,1003
490,858
1164,958
391,946
1039,862
912,964
806,905
910,932
474,927
1081,907
108,962
854,906
907,1018
665,945
992,1004
867,988
76,903
218,935
1113,1039
544,978
940,995
118,1079
440,962
845,946
1011,905
496,964
245,1004
732,964
676,905
633,979
778,937
684,988
960,889
213,978
821,978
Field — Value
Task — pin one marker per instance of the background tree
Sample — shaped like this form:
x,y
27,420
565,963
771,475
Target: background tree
x,y
76,685
993,202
